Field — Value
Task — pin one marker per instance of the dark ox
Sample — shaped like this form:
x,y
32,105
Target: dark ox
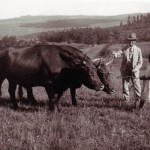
x,y
53,67
104,74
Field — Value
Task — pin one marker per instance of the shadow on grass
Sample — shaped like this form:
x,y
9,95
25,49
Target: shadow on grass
x,y
117,104
25,105
5,102
30,103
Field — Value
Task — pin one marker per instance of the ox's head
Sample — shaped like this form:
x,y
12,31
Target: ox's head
x,y
88,74
104,74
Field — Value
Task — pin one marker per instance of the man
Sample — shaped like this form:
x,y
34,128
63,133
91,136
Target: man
x,y
131,63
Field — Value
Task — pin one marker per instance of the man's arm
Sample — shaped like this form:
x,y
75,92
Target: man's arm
x,y
140,62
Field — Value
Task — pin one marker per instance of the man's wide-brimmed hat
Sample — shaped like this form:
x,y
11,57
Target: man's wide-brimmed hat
x,y
132,37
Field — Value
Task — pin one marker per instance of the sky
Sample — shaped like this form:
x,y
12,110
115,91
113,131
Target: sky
x,y
17,8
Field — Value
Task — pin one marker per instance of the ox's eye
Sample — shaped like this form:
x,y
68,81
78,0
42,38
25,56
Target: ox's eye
x,y
100,70
106,75
84,67
84,62
91,73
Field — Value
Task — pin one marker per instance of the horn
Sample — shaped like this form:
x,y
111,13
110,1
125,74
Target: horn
x,y
97,60
99,63
108,63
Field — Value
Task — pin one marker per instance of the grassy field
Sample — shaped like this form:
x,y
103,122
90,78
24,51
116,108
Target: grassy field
x,y
14,29
99,122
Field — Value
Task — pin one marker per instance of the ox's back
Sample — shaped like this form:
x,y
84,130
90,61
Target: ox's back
x,y
31,59
30,64
44,62
24,60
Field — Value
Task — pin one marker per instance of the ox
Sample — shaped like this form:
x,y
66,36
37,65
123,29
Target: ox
x,y
53,67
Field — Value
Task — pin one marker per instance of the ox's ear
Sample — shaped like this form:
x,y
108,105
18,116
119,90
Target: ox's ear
x,y
83,64
83,60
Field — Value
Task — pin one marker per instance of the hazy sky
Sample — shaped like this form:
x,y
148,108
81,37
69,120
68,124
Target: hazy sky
x,y
17,8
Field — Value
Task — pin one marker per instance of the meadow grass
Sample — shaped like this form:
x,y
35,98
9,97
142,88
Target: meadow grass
x,y
99,122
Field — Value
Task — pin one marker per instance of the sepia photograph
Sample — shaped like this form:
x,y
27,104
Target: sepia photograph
x,y
75,75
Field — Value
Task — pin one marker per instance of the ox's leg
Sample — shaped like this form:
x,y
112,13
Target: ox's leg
x,y
1,81
50,93
11,89
30,95
59,95
73,96
56,102
20,92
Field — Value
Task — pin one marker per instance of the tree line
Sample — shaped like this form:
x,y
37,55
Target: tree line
x,y
88,36
137,21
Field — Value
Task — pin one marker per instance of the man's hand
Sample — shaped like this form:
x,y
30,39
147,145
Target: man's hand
x,y
114,54
134,70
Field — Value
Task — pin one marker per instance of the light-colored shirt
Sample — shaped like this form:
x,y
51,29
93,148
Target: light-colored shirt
x,y
130,54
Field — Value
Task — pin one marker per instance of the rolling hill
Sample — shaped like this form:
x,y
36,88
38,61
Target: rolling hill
x,y
25,25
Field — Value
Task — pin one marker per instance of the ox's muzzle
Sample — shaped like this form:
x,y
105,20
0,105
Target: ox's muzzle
x,y
111,91
99,87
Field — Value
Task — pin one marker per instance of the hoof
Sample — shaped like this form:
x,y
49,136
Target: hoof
x,y
15,107
142,101
33,102
51,108
74,104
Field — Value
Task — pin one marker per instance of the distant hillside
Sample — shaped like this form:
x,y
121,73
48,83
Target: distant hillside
x,y
32,19
74,23
34,24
